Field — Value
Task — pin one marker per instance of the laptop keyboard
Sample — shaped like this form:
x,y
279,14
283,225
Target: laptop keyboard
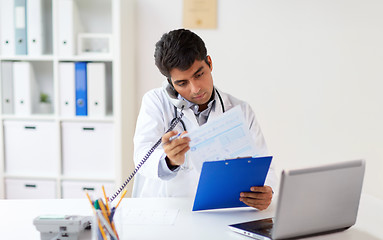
x,y
263,227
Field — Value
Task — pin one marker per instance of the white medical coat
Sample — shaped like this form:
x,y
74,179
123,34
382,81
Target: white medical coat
x,y
154,119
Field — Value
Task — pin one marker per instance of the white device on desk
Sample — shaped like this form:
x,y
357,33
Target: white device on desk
x,y
312,201
61,226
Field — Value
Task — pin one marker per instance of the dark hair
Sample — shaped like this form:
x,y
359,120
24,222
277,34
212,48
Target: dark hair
x,y
178,49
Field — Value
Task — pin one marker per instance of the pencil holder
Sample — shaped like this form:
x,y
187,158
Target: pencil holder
x,y
104,225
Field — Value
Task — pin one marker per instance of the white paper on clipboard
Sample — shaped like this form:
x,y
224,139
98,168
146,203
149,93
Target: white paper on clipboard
x,y
223,138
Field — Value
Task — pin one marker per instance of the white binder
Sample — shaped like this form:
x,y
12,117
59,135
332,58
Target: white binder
x,y
96,90
68,27
35,30
7,28
7,87
21,27
24,88
67,89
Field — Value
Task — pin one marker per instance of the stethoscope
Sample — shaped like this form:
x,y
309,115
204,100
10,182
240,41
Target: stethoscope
x,y
182,122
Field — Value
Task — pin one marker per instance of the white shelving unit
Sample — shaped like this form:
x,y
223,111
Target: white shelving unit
x,y
110,142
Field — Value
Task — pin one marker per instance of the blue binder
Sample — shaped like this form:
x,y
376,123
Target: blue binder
x,y
221,182
20,21
81,89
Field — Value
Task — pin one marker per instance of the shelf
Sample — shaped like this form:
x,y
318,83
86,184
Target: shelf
x,y
46,58
86,59
43,58
65,178
21,176
63,135
28,118
107,119
87,119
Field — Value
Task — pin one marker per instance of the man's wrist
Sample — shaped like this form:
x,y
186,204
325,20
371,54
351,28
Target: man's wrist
x,y
170,165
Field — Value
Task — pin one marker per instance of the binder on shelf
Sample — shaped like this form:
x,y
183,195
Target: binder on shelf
x,y
7,87
68,26
81,89
24,88
21,27
96,89
67,89
35,31
7,33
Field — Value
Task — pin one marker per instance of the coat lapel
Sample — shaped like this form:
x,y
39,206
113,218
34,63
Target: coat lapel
x,y
189,119
218,106
215,113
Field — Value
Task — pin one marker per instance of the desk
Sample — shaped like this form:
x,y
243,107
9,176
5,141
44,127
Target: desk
x,y
17,216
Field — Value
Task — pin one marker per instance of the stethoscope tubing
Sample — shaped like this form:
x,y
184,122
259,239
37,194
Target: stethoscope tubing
x,y
182,122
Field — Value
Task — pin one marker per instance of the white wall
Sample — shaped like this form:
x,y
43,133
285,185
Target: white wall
x,y
311,70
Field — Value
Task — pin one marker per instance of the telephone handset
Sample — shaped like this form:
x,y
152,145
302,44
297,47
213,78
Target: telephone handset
x,y
172,96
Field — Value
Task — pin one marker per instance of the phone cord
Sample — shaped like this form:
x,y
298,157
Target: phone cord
x,y
172,126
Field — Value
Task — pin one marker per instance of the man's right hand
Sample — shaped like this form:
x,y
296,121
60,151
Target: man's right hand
x,y
175,150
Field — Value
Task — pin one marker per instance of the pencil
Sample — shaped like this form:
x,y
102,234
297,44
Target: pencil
x,y
90,200
106,224
122,196
98,220
100,227
106,200
114,230
104,213
108,209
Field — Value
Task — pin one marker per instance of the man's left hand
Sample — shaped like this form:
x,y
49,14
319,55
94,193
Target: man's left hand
x,y
259,197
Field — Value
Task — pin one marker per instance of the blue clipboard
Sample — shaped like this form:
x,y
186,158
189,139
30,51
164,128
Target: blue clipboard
x,y
221,182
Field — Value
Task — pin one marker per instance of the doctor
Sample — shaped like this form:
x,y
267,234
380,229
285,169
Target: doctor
x,y
181,56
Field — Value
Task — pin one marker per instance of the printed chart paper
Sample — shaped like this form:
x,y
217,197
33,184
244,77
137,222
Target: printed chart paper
x,y
224,138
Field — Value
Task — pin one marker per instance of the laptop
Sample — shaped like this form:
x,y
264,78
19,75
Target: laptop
x,y
312,201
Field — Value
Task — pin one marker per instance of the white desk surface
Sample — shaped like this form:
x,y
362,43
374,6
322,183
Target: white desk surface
x,y
17,216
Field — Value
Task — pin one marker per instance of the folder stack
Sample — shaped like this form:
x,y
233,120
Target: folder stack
x,y
82,89
22,26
